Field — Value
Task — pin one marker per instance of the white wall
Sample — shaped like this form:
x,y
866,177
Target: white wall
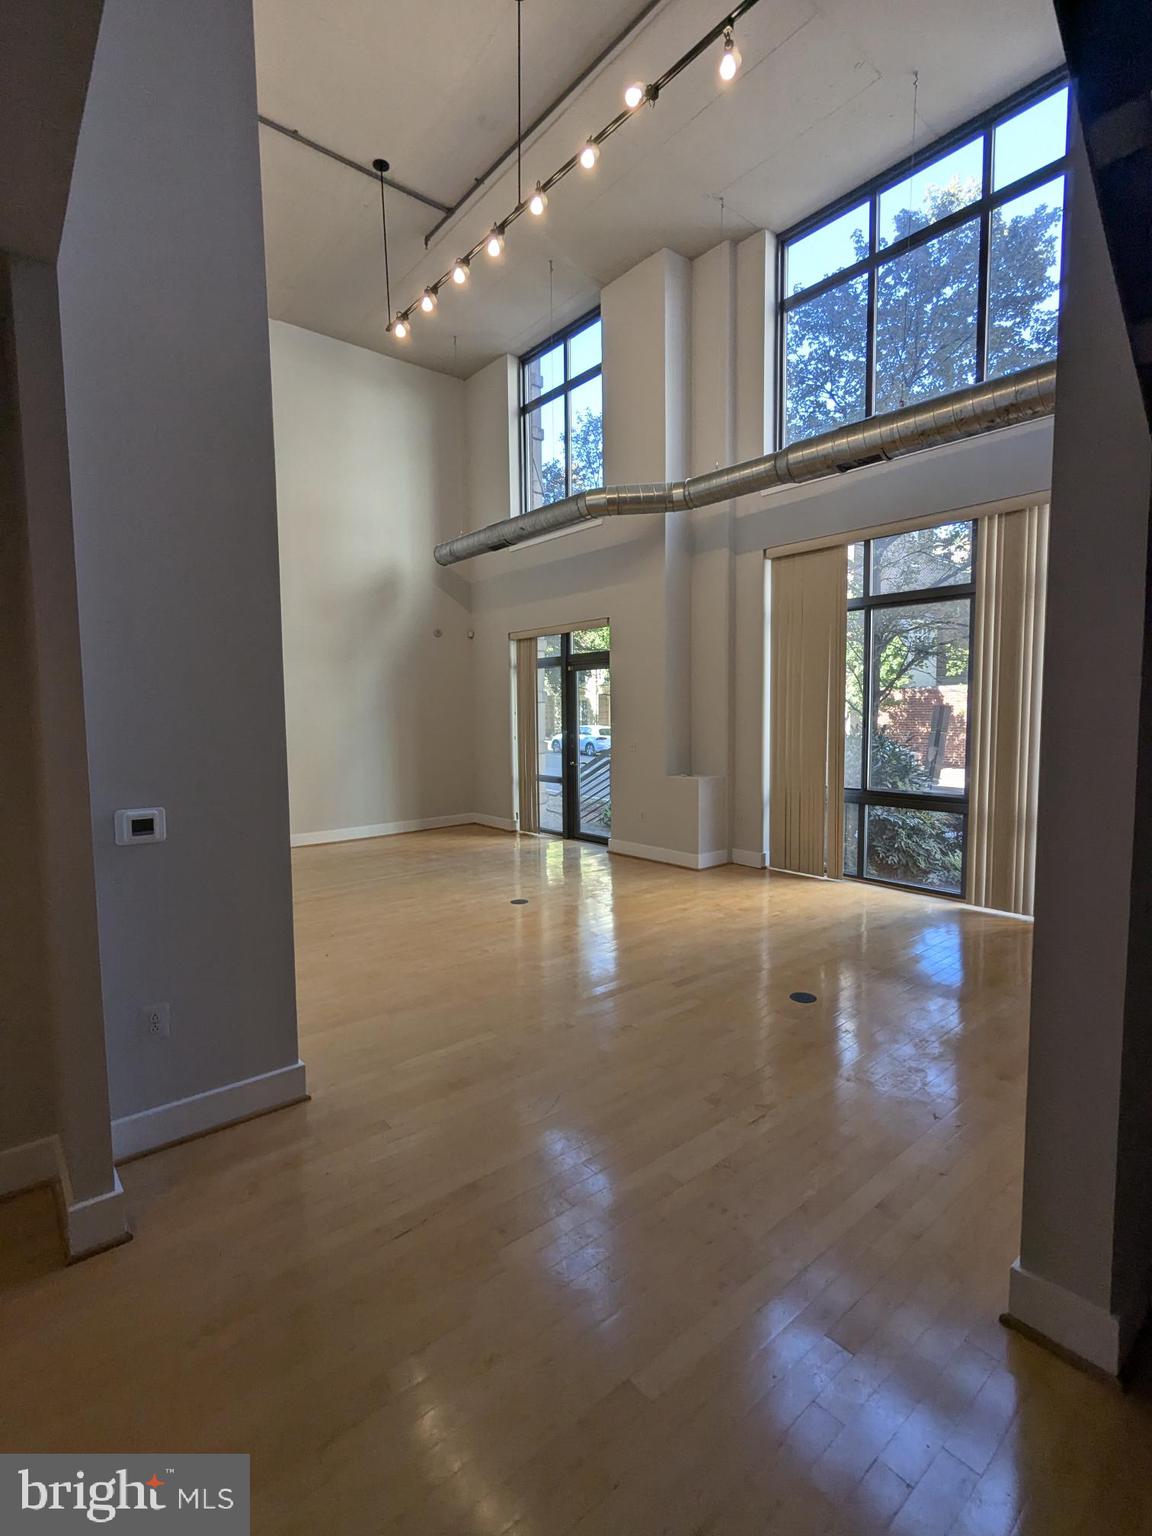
x,y
163,316
371,475
369,458
635,572
687,384
492,444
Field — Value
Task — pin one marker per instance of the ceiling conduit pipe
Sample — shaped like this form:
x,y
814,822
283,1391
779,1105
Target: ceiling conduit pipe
x,y
947,419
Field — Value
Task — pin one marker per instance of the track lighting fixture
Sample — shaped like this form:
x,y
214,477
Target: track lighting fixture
x,y
730,58
586,157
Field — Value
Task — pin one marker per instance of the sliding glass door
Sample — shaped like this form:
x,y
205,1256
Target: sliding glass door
x,y
906,707
574,734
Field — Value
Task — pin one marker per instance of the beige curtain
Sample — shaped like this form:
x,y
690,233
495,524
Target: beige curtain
x,y
526,758
806,758
1011,579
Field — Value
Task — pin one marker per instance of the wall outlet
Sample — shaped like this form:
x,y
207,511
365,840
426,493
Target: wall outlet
x,y
156,1021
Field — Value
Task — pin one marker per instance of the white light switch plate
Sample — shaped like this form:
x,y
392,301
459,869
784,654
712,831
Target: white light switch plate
x,y
147,824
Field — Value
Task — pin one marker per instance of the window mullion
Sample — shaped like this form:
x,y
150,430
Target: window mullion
x,y
1029,183
866,690
567,442
545,399
985,257
870,334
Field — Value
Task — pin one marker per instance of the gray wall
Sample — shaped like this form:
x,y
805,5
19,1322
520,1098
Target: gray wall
x,y
170,431
46,49
52,1074
26,1089
1092,661
61,973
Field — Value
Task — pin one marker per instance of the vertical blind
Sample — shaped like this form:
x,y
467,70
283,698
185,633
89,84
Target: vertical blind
x,y
1008,649
807,627
526,734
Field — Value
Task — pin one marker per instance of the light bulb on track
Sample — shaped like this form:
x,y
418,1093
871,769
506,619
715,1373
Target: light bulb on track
x,y
637,93
730,58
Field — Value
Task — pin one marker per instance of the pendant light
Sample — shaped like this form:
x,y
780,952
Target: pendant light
x,y
395,327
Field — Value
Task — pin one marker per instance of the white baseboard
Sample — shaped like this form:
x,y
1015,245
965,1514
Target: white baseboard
x,y
87,1226
713,860
30,1164
669,855
798,874
501,823
1020,917
210,1111
750,858
1076,1325
381,829
92,1225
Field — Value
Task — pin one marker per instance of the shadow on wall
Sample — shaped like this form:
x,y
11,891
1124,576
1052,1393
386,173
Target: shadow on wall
x,y
392,745
575,572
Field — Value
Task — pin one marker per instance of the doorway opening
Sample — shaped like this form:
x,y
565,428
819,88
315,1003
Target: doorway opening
x,y
574,734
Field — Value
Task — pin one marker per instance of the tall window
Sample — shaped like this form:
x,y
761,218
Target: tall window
x,y
906,707
944,272
562,415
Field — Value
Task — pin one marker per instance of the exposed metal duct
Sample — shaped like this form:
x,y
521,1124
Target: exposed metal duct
x,y
967,413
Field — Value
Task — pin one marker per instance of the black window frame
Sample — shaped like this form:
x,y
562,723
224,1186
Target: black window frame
x,y
568,664
870,192
562,390
937,800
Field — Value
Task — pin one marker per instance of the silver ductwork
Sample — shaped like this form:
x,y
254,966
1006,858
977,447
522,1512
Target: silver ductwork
x,y
947,419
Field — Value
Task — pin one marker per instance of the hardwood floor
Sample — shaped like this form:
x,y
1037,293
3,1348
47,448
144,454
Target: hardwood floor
x,y
589,1229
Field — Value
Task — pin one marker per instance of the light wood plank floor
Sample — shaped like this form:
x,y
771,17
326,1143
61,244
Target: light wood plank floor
x,y
589,1229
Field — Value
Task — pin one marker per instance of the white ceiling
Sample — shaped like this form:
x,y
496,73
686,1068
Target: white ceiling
x,y
823,100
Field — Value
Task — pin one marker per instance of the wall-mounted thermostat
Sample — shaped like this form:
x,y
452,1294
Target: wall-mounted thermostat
x,y
141,826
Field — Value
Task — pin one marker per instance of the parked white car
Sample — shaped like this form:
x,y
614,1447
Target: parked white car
x,y
591,740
